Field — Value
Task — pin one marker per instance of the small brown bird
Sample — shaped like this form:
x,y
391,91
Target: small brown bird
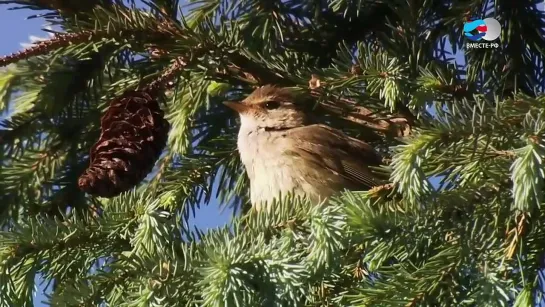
x,y
285,151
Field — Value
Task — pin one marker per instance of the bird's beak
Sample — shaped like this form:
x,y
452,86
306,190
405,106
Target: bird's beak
x,y
237,106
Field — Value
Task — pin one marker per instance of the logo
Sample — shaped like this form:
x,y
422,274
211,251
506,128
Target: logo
x,y
488,29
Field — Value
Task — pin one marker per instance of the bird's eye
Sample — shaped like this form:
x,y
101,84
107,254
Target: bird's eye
x,y
271,105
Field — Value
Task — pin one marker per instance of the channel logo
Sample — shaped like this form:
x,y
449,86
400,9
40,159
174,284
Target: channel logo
x,y
487,29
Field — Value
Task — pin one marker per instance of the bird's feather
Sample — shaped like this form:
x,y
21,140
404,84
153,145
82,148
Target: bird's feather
x,y
350,158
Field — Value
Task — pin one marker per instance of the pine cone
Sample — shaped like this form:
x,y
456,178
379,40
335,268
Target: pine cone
x,y
134,133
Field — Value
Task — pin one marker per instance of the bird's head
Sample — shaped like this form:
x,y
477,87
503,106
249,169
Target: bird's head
x,y
271,108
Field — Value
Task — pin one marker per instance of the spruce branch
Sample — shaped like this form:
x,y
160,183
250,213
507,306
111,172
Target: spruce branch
x,y
63,6
253,74
248,69
343,108
515,235
243,64
164,80
62,40
41,241
527,176
349,110
407,173
44,47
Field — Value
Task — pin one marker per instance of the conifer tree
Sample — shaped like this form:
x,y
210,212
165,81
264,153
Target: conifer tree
x,y
116,133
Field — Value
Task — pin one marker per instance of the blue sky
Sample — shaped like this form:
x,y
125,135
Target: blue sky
x,y
16,29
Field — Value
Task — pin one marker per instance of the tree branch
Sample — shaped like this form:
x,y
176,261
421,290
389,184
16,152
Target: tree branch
x,y
345,109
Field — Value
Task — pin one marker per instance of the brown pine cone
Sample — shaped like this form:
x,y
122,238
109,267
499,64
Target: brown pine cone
x,y
133,135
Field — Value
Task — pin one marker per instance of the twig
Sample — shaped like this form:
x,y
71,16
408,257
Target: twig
x,y
65,39
44,47
162,81
349,110
344,108
243,69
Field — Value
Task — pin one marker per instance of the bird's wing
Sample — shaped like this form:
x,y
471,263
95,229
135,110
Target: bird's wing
x,y
346,156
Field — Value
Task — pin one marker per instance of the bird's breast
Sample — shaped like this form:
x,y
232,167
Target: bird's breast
x,y
273,171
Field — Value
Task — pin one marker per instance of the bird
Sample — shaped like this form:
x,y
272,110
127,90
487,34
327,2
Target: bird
x,y
285,150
